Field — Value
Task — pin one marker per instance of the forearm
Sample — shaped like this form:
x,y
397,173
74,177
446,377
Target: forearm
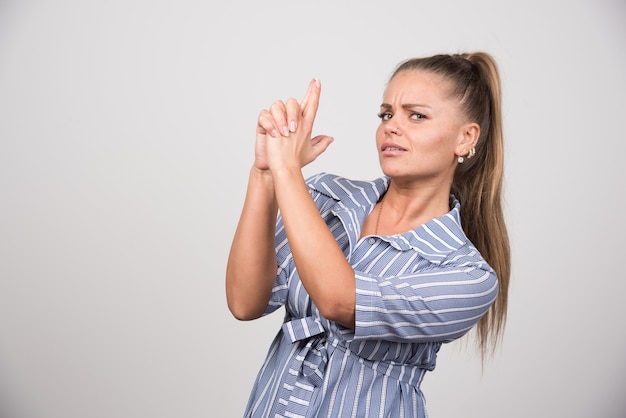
x,y
251,268
325,273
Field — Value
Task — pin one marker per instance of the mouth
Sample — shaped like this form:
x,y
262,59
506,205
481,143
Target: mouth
x,y
390,149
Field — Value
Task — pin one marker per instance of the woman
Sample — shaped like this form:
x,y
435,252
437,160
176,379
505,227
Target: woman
x,y
375,275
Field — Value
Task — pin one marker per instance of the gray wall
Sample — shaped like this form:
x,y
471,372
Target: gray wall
x,y
126,135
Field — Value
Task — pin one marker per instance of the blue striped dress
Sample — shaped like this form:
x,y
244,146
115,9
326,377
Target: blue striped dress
x,y
414,291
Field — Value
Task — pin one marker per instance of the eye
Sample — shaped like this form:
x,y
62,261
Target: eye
x,y
385,116
418,116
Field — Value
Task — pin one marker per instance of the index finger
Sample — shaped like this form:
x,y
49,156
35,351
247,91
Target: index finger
x,y
311,100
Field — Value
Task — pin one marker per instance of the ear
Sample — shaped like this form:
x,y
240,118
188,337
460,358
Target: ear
x,y
467,138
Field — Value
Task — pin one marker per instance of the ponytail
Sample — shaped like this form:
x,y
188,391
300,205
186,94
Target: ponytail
x,y
477,182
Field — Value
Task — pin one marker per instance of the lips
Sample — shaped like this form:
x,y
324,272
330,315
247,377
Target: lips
x,y
390,147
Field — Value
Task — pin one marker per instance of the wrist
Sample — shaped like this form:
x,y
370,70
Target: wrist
x,y
261,179
260,173
285,172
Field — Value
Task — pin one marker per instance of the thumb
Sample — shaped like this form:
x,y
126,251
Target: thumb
x,y
320,143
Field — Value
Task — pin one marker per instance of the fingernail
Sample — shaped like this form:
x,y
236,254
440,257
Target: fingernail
x,y
275,133
285,131
292,126
318,82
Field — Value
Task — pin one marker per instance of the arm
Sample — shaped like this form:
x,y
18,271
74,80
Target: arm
x,y
251,267
322,266
325,273
429,305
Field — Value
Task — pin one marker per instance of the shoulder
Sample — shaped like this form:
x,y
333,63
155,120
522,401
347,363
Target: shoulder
x,y
440,240
340,188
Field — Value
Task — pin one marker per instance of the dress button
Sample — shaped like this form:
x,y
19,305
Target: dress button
x,y
371,240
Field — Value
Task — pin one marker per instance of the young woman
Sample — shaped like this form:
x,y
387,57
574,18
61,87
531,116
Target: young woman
x,y
375,275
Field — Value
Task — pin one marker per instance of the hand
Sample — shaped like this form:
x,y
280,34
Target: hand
x,y
284,132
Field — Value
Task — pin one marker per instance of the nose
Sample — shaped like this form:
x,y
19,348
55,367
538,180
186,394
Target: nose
x,y
392,128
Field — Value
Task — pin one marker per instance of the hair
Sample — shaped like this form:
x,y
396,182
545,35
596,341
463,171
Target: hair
x,y
477,183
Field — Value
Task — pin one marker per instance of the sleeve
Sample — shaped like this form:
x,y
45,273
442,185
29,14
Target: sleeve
x,y
436,305
284,261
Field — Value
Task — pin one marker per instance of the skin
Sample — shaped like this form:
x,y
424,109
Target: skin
x,y
422,131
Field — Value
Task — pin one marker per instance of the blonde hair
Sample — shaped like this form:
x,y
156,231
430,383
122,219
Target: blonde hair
x,y
475,81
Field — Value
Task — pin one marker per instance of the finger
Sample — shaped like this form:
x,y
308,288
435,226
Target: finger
x,y
294,114
278,111
313,85
305,99
320,143
266,124
312,102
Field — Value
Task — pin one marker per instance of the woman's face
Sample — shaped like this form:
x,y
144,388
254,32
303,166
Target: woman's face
x,y
422,130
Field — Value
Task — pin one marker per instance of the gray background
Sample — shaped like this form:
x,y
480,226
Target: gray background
x,y
126,135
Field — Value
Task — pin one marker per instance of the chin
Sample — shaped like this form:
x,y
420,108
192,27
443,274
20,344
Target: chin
x,y
391,173
392,170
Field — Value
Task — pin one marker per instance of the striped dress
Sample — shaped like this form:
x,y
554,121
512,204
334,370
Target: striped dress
x,y
414,291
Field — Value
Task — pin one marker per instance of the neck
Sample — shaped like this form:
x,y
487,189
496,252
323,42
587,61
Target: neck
x,y
408,208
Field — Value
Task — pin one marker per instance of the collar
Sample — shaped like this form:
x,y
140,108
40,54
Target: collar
x,y
434,240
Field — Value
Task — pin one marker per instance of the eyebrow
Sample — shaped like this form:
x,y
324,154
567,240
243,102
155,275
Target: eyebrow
x,y
404,106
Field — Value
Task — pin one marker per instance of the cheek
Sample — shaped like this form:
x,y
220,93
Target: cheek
x,y
447,138
380,135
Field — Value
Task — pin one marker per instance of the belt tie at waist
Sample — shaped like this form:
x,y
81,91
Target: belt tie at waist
x,y
306,371
311,358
